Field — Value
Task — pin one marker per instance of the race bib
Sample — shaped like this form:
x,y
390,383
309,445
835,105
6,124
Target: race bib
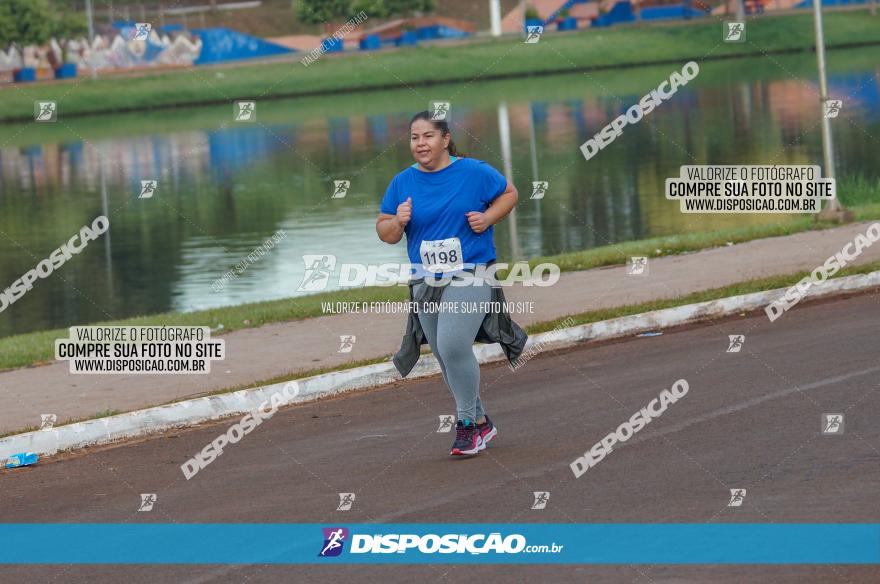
x,y
441,255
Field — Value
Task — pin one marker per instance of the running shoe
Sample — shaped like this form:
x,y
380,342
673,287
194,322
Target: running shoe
x,y
487,431
467,439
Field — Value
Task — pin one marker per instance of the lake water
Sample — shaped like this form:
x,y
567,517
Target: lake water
x,y
223,188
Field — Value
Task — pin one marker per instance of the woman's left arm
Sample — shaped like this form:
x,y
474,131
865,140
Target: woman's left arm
x,y
497,211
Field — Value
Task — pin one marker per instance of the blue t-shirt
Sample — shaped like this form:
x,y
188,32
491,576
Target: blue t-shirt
x,y
439,202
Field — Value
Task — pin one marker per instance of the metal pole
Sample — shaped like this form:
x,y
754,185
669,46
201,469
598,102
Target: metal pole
x,y
108,250
507,156
740,10
495,16
90,20
533,148
827,139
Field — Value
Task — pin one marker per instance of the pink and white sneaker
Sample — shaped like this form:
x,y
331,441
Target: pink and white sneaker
x,y
467,439
487,431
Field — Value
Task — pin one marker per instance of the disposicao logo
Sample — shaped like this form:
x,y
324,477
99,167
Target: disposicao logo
x,y
429,543
334,541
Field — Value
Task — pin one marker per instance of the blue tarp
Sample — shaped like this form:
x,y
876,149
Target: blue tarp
x,y
621,12
809,3
439,31
412,37
670,11
223,44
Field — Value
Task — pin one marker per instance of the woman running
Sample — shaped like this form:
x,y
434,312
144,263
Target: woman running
x,y
446,205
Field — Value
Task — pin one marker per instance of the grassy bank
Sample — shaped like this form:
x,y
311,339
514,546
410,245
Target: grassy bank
x,y
481,59
861,196
747,287
477,96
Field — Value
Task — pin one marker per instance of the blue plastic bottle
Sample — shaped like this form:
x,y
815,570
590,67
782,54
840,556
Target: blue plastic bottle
x,y
22,459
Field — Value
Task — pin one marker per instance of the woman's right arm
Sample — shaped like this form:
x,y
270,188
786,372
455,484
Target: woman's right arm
x,y
390,227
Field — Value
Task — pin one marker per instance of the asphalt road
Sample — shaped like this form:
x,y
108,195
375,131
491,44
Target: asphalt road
x,y
750,420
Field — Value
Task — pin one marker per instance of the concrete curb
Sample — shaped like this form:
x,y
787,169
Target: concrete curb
x,y
194,411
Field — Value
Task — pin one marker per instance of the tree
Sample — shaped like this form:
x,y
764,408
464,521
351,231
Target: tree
x,y
372,8
25,22
325,11
67,25
406,8
322,11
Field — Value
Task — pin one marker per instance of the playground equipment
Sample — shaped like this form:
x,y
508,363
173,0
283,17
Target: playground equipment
x,y
170,45
63,59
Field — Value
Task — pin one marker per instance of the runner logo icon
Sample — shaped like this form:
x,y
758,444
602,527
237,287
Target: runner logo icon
x,y
533,34
734,32
340,188
737,496
832,423
539,189
832,107
334,541
447,422
317,272
736,343
541,498
346,500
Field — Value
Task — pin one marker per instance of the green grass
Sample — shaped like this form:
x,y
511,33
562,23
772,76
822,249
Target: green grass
x,y
480,95
615,254
32,348
751,286
481,59
38,347
748,287
861,195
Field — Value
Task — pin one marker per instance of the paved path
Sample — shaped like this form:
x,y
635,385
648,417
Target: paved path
x,y
750,420
279,349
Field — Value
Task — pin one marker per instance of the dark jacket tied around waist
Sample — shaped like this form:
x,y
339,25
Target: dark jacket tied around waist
x,y
497,327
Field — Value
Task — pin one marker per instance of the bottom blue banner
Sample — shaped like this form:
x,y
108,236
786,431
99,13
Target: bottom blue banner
x,y
447,543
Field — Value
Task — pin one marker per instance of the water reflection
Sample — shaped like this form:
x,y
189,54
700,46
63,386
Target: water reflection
x,y
223,188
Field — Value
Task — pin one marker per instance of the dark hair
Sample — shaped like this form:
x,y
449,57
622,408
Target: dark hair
x,y
438,125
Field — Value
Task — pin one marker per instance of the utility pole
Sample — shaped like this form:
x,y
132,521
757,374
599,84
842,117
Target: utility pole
x,y
833,210
90,20
495,16
740,10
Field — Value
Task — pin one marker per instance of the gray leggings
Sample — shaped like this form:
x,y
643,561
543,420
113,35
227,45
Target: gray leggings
x,y
451,334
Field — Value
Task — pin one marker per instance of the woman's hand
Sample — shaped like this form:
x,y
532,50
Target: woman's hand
x,y
499,209
478,221
404,212
390,227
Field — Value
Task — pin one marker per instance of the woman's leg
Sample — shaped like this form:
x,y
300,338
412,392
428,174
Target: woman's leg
x,y
456,331
428,320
